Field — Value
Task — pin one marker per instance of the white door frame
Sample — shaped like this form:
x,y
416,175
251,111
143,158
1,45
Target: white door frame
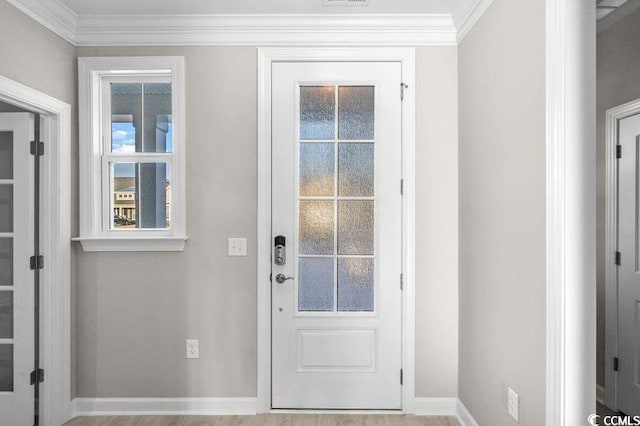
x,y
266,57
614,115
55,245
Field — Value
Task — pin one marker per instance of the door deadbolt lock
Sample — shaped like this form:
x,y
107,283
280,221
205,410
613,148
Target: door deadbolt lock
x,y
280,251
280,278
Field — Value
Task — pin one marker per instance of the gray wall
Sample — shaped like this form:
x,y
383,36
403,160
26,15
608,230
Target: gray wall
x,y
36,57
135,310
131,313
502,213
618,72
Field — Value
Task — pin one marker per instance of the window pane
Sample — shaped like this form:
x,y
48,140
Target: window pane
x,y
155,195
141,195
355,284
316,227
157,116
356,112
6,261
125,195
6,368
355,227
317,112
141,117
315,284
355,169
6,208
126,117
6,314
316,169
6,155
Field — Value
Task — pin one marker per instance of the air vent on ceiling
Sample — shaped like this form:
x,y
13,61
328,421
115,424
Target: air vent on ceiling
x,y
346,2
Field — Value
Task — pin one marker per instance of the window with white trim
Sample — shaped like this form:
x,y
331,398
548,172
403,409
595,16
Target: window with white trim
x,y
132,153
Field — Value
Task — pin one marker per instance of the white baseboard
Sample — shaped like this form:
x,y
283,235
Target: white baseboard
x,y
435,406
464,416
600,394
163,406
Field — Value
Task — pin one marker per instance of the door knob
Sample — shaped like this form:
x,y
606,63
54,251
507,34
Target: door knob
x,y
280,278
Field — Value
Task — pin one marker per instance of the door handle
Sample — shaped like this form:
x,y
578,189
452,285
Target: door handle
x,y
280,278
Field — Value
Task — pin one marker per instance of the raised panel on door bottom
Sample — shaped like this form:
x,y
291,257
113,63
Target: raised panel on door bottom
x,y
336,350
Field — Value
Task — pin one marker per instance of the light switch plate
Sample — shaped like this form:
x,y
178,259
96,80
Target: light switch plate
x,y
237,246
513,404
193,350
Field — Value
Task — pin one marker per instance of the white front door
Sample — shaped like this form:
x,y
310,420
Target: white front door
x,y
16,279
629,269
336,208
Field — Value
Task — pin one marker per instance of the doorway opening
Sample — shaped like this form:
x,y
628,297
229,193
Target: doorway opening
x,y
52,261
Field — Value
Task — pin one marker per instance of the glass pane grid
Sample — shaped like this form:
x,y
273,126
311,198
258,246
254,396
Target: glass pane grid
x,y
348,270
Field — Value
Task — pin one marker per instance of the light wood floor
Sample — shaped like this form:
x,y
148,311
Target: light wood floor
x,y
269,420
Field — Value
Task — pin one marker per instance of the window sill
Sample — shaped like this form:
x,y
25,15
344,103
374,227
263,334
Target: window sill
x,y
132,244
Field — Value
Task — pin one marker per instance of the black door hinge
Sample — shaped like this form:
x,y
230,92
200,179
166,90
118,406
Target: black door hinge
x,y
403,86
615,364
401,186
37,148
37,376
618,258
401,376
618,151
36,262
401,281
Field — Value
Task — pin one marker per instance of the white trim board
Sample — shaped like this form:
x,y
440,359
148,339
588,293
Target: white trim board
x,y
163,406
266,57
613,116
570,212
55,244
444,407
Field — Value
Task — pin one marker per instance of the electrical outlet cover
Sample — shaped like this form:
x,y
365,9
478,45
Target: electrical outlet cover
x,y
193,350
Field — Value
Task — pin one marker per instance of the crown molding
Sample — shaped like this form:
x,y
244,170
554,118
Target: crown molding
x,y
52,14
243,29
266,30
474,15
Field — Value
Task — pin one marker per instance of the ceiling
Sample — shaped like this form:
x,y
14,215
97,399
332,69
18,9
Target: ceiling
x,y
609,12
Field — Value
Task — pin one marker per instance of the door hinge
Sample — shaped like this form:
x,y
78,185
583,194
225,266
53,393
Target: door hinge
x,y
618,151
37,148
37,376
401,376
401,186
615,364
401,281
36,262
403,86
618,258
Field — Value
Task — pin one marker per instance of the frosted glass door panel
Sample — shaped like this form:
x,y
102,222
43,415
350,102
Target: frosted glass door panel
x,y
356,112
6,155
356,169
6,208
316,169
355,284
316,227
317,112
355,227
315,291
